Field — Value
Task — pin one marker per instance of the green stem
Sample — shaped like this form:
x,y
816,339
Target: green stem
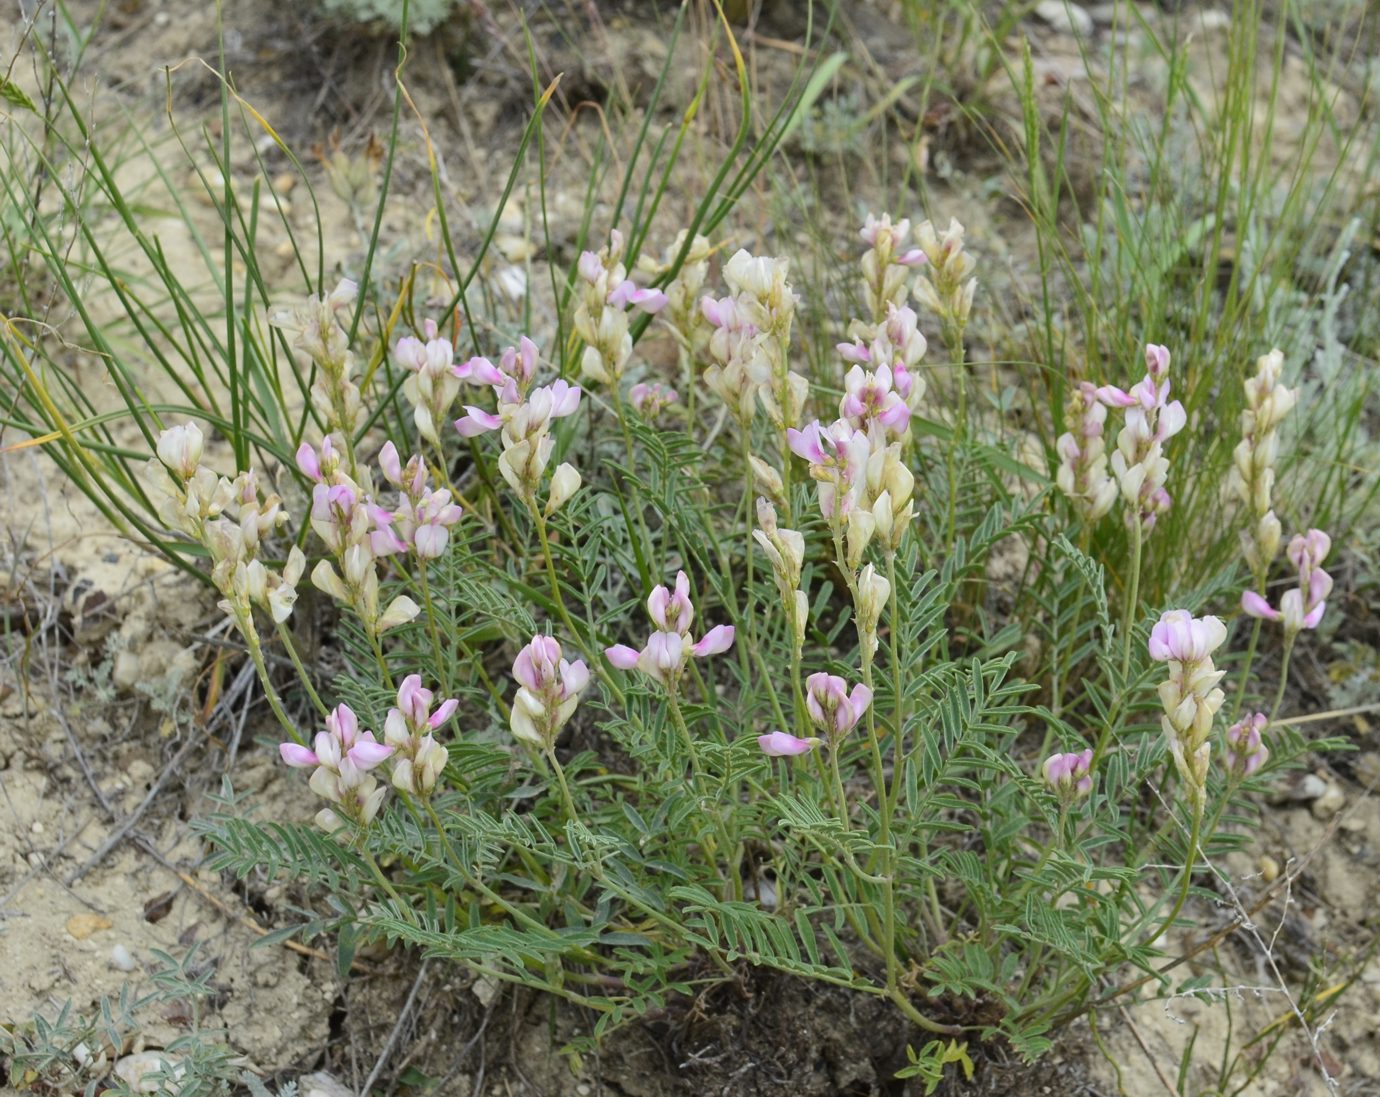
x,y
1132,595
1246,672
285,635
1283,677
566,798
245,624
378,658
387,886
960,431
1187,877
442,664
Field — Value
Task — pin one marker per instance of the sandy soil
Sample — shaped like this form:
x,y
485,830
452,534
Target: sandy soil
x,y
105,754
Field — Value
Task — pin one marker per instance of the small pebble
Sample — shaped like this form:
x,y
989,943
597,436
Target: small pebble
x,y
81,926
1068,18
140,1071
583,1090
37,828
284,183
1329,803
120,959
322,1084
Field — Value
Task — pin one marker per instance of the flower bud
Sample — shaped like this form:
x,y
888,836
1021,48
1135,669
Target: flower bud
x,y
565,482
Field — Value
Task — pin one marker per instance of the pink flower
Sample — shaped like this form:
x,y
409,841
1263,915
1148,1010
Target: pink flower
x,y
1304,605
668,649
663,656
549,691
626,293
831,706
649,399
780,745
838,461
869,396
714,642
1187,639
519,362
622,656
308,463
298,756
1245,751
479,371
1069,775
477,421
672,612
1255,605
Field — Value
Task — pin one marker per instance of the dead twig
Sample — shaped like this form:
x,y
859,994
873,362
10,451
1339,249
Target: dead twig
x,y
404,1015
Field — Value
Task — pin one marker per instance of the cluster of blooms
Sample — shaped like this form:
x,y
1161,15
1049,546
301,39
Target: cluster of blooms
x,y
1190,695
883,388
1245,751
342,756
421,523
887,263
320,332
751,341
340,759
549,689
601,318
948,288
230,519
1252,477
863,489
838,456
1069,776
670,647
682,312
649,398
1082,473
418,758
1139,462
433,380
831,708
785,549
1303,606
357,533
524,419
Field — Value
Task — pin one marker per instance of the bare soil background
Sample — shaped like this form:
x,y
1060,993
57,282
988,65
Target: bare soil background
x,y
109,744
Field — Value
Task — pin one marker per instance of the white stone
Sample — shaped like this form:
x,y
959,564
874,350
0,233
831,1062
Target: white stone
x,y
1066,18
322,1084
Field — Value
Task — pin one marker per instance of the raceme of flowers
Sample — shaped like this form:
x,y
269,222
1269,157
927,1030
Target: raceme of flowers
x,y
670,647
1190,696
1301,607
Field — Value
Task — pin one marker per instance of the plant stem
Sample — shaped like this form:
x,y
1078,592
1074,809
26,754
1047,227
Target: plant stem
x,y
566,798
960,430
1283,677
442,663
285,635
1187,877
251,641
387,886
1246,672
1132,595
378,658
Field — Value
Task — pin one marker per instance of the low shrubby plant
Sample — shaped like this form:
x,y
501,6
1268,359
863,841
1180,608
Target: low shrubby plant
x,y
814,753
647,666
